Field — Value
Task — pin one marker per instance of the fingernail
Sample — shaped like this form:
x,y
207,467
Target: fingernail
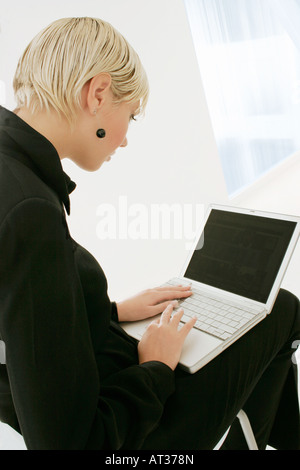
x,y
175,303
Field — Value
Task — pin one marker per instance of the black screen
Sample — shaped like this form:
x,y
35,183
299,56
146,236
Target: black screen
x,y
241,253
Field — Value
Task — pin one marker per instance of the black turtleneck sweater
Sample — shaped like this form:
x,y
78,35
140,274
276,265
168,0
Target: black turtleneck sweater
x,y
71,378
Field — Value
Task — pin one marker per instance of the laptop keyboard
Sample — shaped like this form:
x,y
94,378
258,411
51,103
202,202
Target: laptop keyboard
x,y
214,316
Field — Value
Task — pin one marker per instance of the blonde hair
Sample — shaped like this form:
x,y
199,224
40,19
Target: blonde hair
x,y
69,52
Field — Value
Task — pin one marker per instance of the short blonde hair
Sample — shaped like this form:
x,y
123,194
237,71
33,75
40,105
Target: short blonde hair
x,y
69,52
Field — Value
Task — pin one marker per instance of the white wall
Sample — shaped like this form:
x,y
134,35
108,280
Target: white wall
x,y
171,157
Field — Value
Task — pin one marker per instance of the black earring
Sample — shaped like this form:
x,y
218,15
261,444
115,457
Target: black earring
x,y
101,133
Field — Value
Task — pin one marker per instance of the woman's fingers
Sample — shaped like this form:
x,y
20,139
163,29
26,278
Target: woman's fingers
x,y
163,296
169,293
173,288
159,308
176,317
186,328
166,315
163,341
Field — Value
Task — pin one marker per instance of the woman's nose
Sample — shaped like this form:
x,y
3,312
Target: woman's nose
x,y
124,143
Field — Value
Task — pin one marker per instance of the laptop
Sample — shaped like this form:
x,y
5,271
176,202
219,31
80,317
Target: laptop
x,y
235,268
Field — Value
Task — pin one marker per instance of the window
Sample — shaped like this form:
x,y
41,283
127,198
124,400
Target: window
x,y
250,67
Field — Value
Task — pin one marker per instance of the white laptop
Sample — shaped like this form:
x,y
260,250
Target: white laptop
x,y
235,267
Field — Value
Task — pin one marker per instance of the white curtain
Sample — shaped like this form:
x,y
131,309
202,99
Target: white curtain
x,y
250,68
288,14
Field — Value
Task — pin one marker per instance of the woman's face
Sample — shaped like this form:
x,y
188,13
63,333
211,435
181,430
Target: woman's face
x,y
91,152
115,122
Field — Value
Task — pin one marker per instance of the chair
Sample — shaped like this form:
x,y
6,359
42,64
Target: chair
x,y
12,440
247,430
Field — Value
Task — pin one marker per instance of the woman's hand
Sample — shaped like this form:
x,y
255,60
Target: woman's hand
x,y
151,302
162,340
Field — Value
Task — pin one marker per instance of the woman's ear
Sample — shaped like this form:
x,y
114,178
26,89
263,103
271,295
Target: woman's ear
x,y
98,89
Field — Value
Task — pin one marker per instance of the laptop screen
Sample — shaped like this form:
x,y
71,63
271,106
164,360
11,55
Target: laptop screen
x,y
241,253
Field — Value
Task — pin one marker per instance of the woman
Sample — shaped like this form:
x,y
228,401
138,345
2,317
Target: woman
x,y
73,379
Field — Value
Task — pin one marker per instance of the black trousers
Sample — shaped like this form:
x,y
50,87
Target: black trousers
x,y
256,374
